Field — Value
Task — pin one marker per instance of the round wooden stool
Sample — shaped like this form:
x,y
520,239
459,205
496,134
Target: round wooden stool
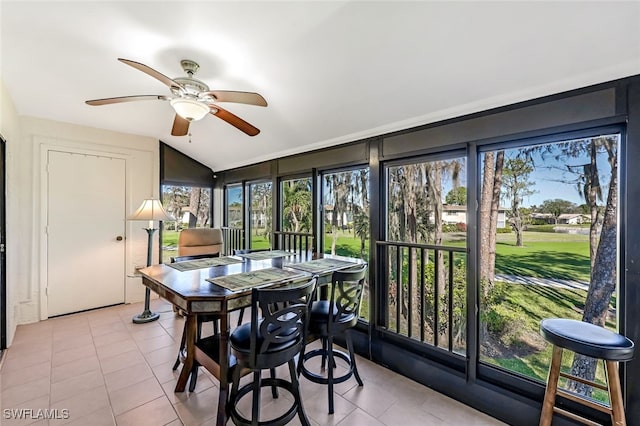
x,y
592,341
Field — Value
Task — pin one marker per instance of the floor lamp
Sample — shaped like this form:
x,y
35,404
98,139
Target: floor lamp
x,y
151,210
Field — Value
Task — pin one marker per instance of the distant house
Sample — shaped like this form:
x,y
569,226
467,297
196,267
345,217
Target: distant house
x,y
540,218
343,222
573,219
188,219
258,218
563,219
458,214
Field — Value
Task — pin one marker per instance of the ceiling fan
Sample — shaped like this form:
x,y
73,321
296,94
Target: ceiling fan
x,y
192,99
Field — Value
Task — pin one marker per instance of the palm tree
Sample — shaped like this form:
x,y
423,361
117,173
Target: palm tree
x,y
361,229
296,209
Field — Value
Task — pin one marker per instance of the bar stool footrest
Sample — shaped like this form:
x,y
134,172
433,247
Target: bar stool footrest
x,y
575,417
281,420
316,378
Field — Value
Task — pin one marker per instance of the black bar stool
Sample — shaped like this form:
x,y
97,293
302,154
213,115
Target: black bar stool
x,y
268,342
592,341
330,318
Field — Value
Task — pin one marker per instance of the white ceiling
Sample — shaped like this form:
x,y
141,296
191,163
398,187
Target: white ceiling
x,y
332,72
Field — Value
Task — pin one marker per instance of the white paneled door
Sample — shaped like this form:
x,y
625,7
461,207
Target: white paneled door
x,y
85,232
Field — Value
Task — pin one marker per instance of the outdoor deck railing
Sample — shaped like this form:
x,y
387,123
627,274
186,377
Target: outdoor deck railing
x,y
424,301
298,242
233,239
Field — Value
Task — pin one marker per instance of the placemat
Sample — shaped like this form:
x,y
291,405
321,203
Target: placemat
x,y
204,263
258,278
321,265
267,254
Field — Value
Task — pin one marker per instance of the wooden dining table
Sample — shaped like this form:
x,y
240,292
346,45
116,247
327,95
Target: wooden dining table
x,y
223,286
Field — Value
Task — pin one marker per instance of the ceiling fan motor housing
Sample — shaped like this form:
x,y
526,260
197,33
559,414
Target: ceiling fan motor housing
x,y
191,87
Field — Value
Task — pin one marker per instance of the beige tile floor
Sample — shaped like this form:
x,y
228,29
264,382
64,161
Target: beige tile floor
x,y
98,368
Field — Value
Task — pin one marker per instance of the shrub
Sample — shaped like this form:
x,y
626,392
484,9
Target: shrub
x,y
449,227
505,230
505,322
502,320
461,227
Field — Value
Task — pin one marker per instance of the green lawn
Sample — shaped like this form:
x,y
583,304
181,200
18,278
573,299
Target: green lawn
x,y
346,245
527,353
544,255
169,245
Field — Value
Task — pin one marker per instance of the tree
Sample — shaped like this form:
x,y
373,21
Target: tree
x,y
604,258
296,209
489,202
261,196
178,200
602,242
361,229
556,207
457,196
415,215
409,211
199,202
515,180
338,185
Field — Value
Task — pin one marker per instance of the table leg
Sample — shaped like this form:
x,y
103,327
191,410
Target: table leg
x,y
191,352
224,356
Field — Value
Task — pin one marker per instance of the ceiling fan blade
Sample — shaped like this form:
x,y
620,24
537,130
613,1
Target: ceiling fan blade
x,y
150,71
180,126
107,101
235,121
250,98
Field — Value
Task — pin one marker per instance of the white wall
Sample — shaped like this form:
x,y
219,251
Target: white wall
x,y
25,137
9,129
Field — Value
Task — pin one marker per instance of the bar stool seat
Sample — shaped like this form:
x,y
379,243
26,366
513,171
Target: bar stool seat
x,y
592,341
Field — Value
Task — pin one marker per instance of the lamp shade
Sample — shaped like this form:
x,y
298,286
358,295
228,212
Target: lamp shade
x,y
190,109
150,209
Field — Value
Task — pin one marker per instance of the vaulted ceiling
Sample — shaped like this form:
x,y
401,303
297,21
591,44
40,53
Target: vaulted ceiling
x,y
331,72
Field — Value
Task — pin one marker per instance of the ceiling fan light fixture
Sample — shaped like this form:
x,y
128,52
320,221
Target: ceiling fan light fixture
x,y
190,109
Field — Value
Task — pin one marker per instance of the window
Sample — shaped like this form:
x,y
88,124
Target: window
x,y
553,232
345,222
297,205
425,251
191,206
234,206
261,223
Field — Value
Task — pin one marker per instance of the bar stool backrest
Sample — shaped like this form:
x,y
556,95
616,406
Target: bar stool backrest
x,y
347,289
279,334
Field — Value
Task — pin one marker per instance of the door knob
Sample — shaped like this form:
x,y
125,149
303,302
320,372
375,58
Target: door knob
x,y
119,238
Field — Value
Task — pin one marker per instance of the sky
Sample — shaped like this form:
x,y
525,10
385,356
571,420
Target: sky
x,y
551,178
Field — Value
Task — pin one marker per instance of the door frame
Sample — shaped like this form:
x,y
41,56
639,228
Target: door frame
x,y
45,148
3,245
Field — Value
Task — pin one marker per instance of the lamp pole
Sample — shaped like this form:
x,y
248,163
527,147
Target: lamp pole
x,y
151,210
147,315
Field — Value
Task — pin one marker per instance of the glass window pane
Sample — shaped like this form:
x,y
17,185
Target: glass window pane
x,y
552,233
297,205
261,225
191,206
234,207
345,200
426,224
